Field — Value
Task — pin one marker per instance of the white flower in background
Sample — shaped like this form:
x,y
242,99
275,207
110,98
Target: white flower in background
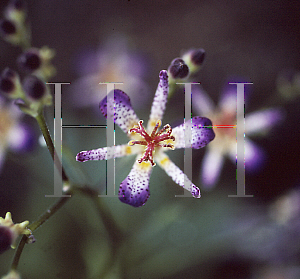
x,y
225,144
14,135
115,61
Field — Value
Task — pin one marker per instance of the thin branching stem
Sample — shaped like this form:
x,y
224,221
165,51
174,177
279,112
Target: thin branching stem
x,y
46,215
18,253
45,131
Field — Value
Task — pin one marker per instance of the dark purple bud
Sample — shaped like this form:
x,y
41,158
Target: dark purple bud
x,y
30,60
7,84
178,69
17,4
5,239
197,56
7,27
34,87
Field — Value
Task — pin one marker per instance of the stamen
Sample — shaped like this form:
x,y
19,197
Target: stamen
x,y
133,142
153,140
158,124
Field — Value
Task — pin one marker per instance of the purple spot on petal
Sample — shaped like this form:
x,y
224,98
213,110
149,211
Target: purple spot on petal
x,y
120,97
202,132
133,195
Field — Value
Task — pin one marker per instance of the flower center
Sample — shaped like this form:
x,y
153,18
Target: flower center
x,y
153,140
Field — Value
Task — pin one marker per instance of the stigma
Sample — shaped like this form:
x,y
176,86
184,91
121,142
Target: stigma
x,y
155,139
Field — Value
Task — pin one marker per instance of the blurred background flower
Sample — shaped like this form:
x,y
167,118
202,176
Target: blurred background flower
x,y
225,144
15,135
114,61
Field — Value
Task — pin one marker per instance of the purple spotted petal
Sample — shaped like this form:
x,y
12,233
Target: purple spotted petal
x,y
202,133
124,115
134,190
177,174
101,153
159,101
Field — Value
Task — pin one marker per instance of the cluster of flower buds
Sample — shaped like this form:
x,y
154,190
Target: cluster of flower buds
x,y
38,62
194,59
184,67
189,64
9,232
14,28
31,95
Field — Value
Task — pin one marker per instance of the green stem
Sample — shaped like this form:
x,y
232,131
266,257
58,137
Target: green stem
x,y
18,253
114,232
44,217
45,131
33,226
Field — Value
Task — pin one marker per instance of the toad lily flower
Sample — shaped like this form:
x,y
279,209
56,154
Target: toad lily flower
x,y
225,143
149,144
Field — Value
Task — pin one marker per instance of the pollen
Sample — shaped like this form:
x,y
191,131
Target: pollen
x,y
128,149
164,161
155,139
145,165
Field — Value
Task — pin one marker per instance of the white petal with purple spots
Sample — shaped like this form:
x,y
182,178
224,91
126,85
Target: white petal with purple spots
x,y
177,174
202,133
134,189
101,153
124,115
159,101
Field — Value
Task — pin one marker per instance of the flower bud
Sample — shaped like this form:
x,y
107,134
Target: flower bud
x,y
16,11
178,69
194,58
13,32
14,28
5,239
38,62
17,4
9,232
7,28
30,60
10,84
13,274
34,88
37,95
197,56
